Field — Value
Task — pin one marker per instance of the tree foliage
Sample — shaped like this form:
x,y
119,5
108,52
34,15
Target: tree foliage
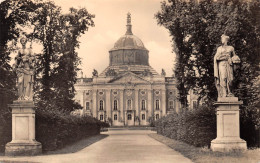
x,y
58,35
196,27
11,14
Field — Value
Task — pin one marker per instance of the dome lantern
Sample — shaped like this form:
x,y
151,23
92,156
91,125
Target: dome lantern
x,y
129,49
129,25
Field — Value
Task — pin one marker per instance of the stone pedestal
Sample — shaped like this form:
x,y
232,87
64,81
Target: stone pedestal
x,y
228,129
23,130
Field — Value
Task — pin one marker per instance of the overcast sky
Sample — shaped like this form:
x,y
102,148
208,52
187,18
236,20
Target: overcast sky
x,y
110,25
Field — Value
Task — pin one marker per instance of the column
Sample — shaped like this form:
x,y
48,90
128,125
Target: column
x,y
136,105
121,105
83,100
108,103
83,103
94,99
163,103
150,103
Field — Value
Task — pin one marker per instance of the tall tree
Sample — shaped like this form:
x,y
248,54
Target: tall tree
x,y
196,28
12,12
64,75
59,33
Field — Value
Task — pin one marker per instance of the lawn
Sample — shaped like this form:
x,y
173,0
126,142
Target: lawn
x,y
205,155
75,147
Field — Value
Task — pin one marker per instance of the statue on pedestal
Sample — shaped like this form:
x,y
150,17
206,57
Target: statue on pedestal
x,y
23,110
227,106
224,61
25,68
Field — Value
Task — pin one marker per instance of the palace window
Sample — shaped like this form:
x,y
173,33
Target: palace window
x,y
115,104
101,117
143,116
157,104
129,117
195,104
171,104
115,92
87,105
115,117
101,105
157,116
143,104
129,104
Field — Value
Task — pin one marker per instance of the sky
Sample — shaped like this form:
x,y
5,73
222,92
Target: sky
x,y
110,25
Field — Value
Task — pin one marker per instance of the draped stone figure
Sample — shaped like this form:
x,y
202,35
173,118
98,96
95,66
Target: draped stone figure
x,y
224,61
24,67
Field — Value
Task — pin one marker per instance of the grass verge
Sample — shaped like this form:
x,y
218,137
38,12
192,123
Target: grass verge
x,y
79,145
75,147
205,155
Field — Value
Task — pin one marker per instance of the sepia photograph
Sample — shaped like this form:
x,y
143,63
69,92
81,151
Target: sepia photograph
x,y
130,81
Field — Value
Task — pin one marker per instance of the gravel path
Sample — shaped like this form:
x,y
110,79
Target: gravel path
x,y
119,146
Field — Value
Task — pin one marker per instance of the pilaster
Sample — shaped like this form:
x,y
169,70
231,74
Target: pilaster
x,y
163,103
108,103
136,103
94,99
150,103
121,93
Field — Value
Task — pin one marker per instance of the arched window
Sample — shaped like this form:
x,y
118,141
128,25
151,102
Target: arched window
x,y
195,104
171,104
129,117
143,104
101,117
101,105
129,104
157,104
87,105
157,116
143,116
115,117
115,104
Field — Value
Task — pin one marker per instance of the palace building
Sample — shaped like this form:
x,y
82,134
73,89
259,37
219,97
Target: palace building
x,y
129,92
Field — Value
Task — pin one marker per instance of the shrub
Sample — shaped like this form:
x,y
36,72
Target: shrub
x,y
5,128
195,127
54,129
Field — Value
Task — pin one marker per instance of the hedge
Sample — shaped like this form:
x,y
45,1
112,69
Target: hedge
x,y
54,129
5,128
196,127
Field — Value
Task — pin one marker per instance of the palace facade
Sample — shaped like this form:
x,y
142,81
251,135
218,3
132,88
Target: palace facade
x,y
129,92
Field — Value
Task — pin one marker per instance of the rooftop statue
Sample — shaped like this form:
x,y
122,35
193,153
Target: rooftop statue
x,y
24,67
224,61
95,73
163,73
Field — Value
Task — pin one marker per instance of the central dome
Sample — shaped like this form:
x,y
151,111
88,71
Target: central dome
x,y
129,49
129,41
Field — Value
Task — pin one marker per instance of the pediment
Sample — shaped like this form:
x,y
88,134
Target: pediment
x,y
129,78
